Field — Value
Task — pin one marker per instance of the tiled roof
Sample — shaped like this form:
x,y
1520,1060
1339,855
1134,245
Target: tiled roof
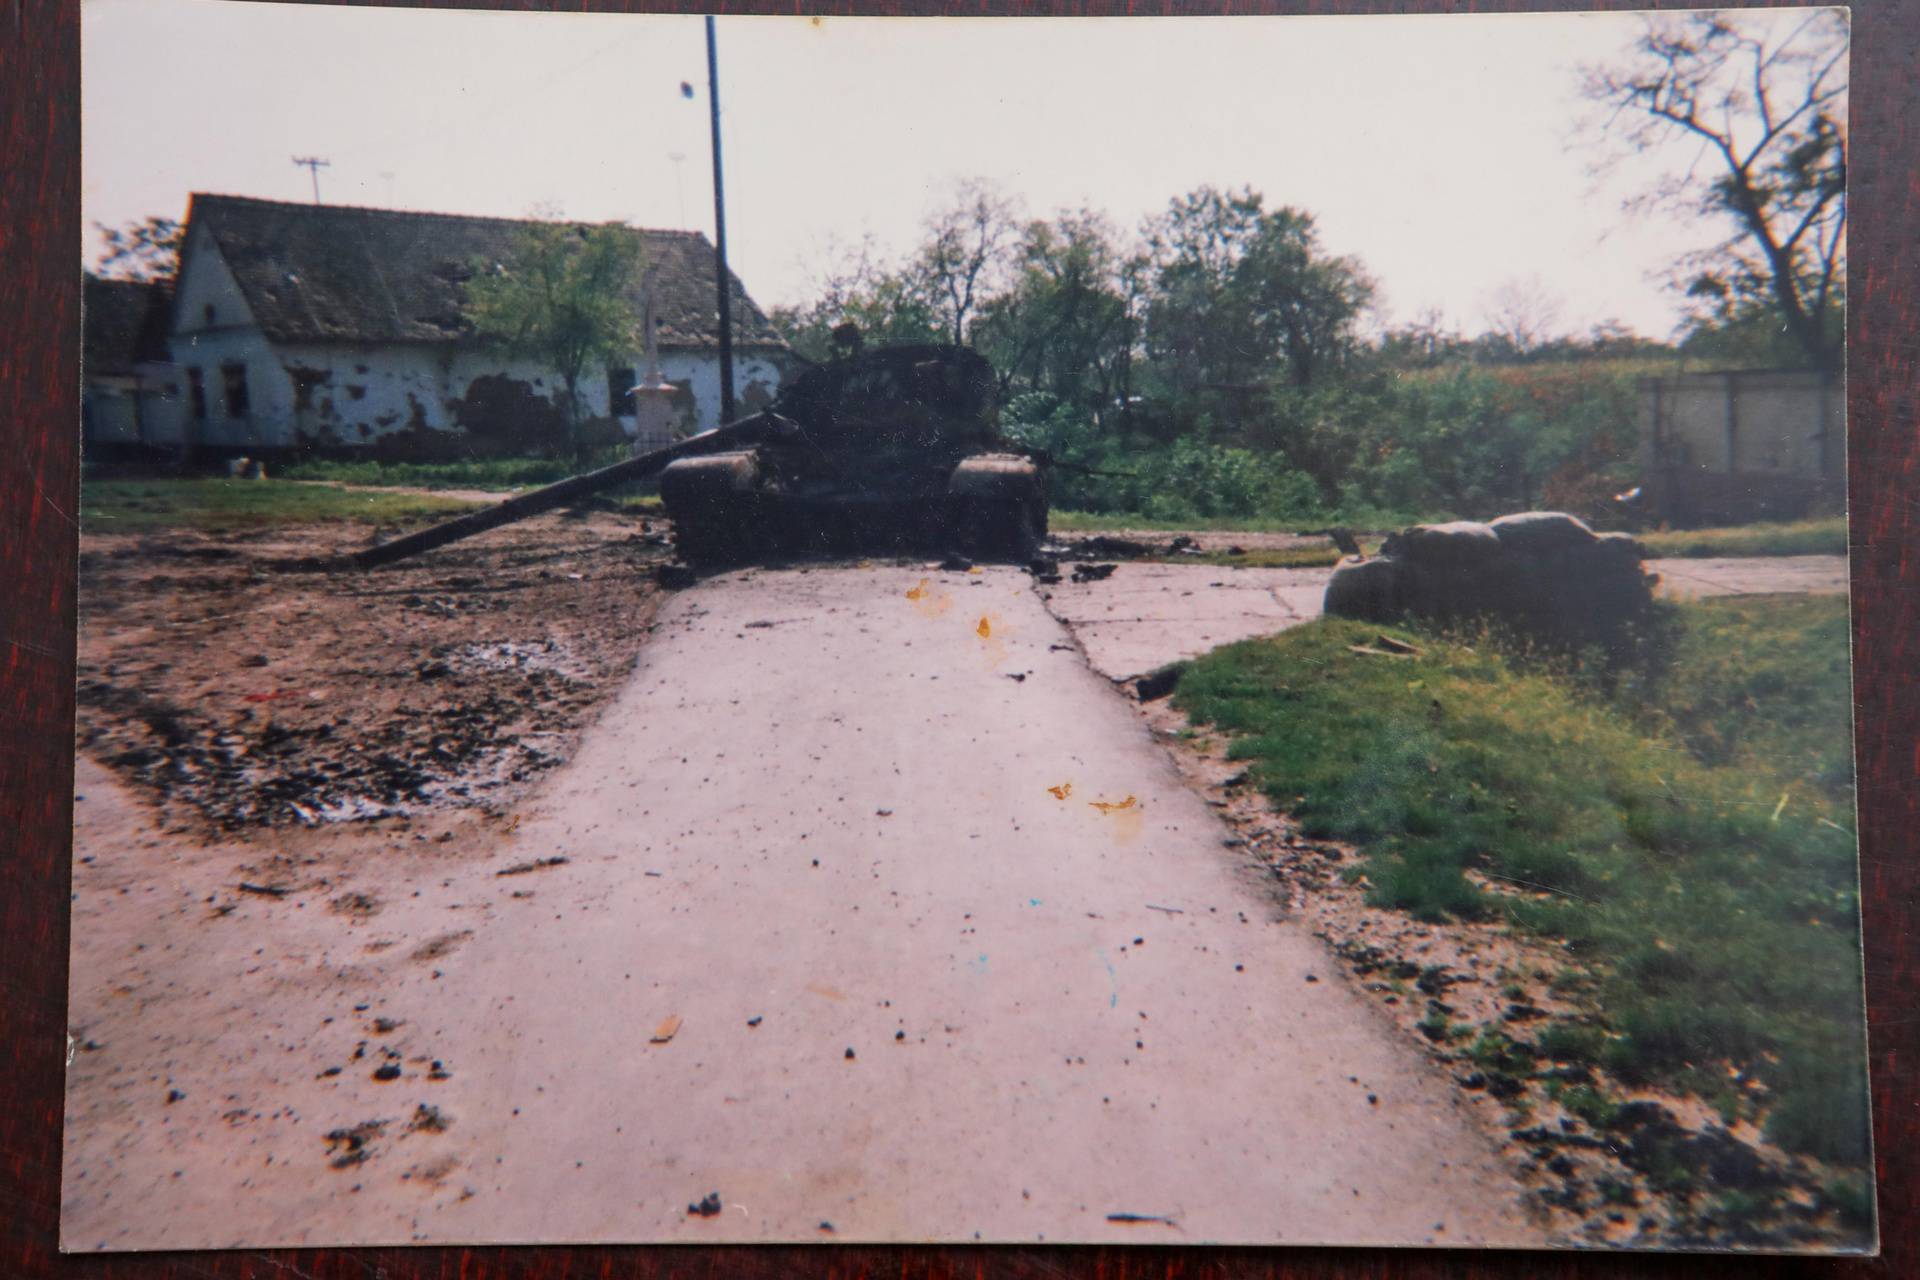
x,y
335,273
126,323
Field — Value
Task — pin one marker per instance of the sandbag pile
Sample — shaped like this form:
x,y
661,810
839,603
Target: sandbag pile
x,y
1542,574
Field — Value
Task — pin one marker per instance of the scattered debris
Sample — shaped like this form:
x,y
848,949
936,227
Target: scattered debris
x,y
1370,651
1158,684
1062,791
428,1119
1142,1217
351,1146
675,577
665,1031
1172,911
264,890
1114,806
434,948
1093,572
1104,546
521,868
708,1206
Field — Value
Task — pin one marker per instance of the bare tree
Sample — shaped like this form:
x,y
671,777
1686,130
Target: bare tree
x,y
1523,313
967,249
1765,96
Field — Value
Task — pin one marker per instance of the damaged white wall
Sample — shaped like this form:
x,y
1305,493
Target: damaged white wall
x,y
259,395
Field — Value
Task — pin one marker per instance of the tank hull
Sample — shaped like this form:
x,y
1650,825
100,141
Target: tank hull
x,y
895,452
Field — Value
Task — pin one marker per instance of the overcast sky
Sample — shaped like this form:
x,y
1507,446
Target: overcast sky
x,y
1441,151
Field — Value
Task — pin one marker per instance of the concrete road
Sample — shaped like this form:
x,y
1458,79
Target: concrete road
x,y
1147,615
881,916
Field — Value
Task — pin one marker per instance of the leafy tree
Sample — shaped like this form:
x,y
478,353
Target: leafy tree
x,y
1239,291
1065,324
1765,96
563,297
1742,332
886,305
1427,340
147,250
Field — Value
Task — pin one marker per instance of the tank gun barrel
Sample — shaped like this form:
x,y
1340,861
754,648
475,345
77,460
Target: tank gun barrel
x,y
743,433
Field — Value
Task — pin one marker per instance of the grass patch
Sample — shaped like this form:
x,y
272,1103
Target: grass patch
x,y
109,505
1566,1041
1762,684
1266,558
1594,1107
1826,537
1644,828
495,474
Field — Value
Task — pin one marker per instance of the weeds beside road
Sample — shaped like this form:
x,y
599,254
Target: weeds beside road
x,y
1824,537
1684,838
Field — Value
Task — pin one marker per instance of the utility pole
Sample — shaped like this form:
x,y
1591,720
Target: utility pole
x,y
720,236
313,165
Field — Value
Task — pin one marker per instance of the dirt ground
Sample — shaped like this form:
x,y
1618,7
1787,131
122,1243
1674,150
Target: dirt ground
x,y
243,699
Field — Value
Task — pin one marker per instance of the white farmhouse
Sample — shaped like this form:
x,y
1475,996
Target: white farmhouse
x,y
302,326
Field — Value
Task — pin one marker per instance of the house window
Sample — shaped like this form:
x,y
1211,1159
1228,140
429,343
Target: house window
x,y
304,382
235,377
620,383
213,317
197,394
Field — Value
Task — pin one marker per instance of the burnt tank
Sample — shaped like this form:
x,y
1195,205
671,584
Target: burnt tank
x,y
894,450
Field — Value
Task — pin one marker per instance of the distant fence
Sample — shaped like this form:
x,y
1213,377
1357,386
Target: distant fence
x,y
1726,448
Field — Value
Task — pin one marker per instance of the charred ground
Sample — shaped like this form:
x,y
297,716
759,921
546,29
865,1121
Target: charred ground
x,y
241,698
